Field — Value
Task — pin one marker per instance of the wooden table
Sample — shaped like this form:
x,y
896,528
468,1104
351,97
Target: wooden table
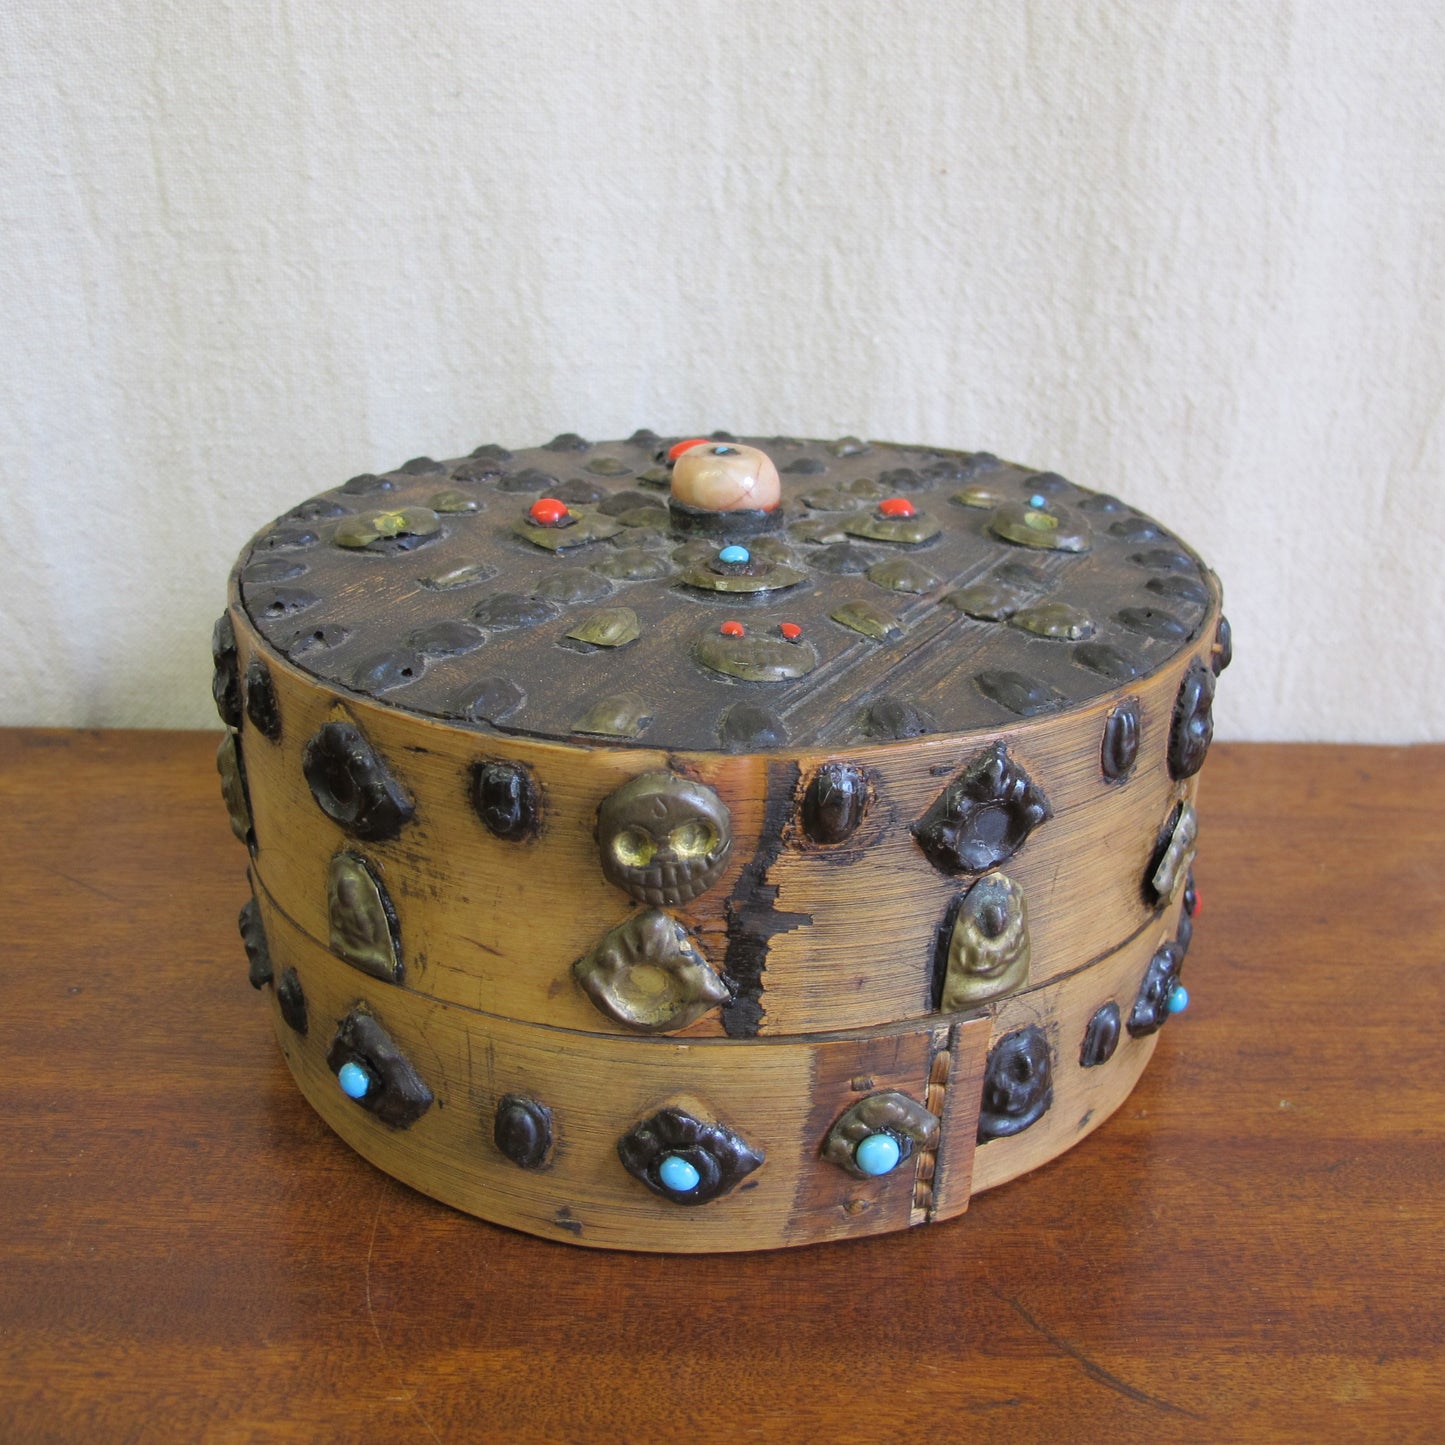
x,y
1251,1248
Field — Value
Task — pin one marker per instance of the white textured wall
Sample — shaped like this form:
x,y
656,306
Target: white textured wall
x,y
1191,253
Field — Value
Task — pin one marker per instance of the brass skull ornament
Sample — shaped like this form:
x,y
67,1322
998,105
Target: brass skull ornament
x,y
663,839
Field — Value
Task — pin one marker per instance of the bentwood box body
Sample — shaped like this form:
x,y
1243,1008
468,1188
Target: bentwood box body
x,y
722,846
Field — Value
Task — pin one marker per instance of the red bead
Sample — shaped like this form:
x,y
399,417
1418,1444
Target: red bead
x,y
1198,903
547,511
678,448
732,629
895,507
790,630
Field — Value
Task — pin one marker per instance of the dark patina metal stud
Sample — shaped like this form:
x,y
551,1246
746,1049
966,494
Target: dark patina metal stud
x,y
448,638
513,611
1120,745
507,800
894,718
1191,729
291,1000
522,1130
1107,661
225,680
1017,1085
748,727
352,785
489,699
261,705
253,939
1026,696
1101,1038
834,803
686,1159
1155,622
1155,999
1222,653
374,1072
382,671
983,817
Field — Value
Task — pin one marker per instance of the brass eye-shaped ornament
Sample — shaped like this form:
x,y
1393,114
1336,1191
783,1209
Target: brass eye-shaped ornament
x,y
663,839
879,1133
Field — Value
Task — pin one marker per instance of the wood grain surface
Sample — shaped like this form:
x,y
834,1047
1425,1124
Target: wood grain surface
x,y
867,912
782,1096
1250,1249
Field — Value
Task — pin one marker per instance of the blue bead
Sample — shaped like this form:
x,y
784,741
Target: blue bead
x,y
878,1154
1037,501
678,1175
1178,999
734,554
354,1080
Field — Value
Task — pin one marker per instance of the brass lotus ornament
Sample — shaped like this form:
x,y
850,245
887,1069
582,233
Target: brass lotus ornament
x,y
648,975
397,525
361,920
988,948
1178,854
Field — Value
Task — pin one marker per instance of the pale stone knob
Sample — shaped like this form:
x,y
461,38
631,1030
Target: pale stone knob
x,y
726,477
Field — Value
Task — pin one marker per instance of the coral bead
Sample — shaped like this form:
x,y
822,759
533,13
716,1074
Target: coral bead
x,y
678,448
547,511
895,507
732,629
790,630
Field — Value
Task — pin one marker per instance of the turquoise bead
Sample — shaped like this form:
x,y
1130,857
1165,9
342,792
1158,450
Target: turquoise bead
x,y
678,1175
1178,999
354,1080
1037,501
735,554
878,1154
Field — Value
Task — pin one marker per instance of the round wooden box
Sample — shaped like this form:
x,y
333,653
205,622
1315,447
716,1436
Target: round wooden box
x,y
711,844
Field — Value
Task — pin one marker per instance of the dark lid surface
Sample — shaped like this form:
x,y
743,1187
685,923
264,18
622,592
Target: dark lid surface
x,y
895,591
